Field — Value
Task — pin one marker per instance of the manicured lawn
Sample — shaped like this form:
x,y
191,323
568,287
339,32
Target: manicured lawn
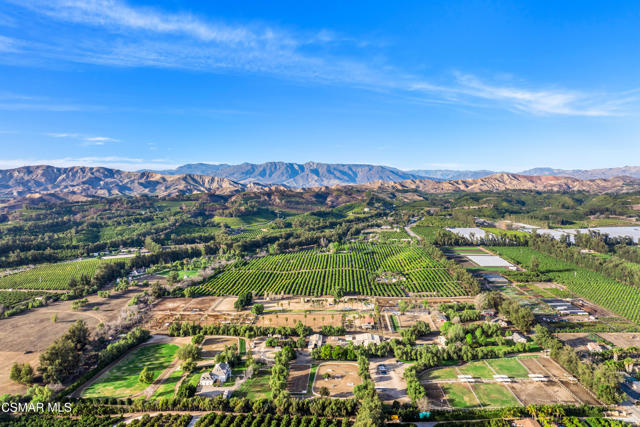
x,y
167,389
477,369
312,376
460,396
257,387
494,395
243,346
122,379
194,378
442,374
510,366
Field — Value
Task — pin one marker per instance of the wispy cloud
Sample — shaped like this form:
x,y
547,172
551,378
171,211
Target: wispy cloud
x,y
85,139
132,36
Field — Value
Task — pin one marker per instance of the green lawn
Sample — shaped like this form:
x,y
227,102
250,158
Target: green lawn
x,y
167,389
460,396
122,379
194,378
257,387
477,369
509,366
442,374
312,376
494,395
242,348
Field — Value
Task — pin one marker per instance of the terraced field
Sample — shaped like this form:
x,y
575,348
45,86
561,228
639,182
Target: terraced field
x,y
355,267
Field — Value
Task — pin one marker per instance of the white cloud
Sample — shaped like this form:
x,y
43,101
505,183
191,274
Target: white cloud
x,y
86,139
132,36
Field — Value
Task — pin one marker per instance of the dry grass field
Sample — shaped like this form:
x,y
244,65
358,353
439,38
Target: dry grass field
x,y
343,377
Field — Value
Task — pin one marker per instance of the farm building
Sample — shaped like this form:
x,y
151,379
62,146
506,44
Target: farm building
x,y
315,341
594,347
516,337
219,374
363,339
367,322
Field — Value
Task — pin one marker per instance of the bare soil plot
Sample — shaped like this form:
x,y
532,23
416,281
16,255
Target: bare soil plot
x,y
7,359
171,304
342,378
409,319
533,366
436,395
561,394
298,380
577,341
214,345
531,393
552,367
390,385
622,339
315,320
580,392
224,304
201,304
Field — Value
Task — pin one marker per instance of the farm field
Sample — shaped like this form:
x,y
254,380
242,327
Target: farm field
x,y
11,298
618,297
509,366
477,369
122,379
494,395
298,380
49,276
256,387
168,387
353,266
446,390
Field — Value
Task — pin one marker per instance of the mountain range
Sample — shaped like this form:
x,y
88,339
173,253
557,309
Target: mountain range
x,y
313,174
53,183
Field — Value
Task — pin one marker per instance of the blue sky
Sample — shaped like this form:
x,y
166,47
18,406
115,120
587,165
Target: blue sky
x,y
413,84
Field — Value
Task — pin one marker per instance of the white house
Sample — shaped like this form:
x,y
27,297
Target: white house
x,y
315,341
363,339
516,337
220,374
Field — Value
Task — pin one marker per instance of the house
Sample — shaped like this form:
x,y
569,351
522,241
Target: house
x,y
315,341
219,374
594,347
516,337
363,339
367,322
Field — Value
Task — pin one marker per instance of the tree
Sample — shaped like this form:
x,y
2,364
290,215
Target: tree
x,y
39,394
189,366
59,361
189,351
197,339
337,292
324,392
257,309
54,317
78,334
152,246
403,306
534,264
146,376
22,373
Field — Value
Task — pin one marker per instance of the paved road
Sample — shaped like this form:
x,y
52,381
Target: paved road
x,y
411,233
